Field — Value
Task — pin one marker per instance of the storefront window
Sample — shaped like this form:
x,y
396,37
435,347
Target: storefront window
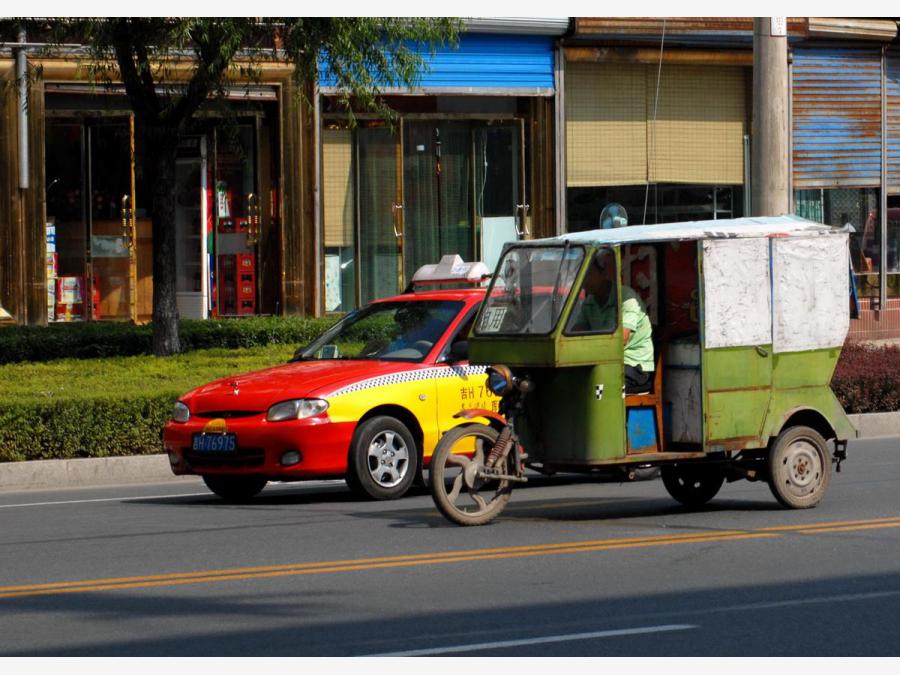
x,y
857,209
664,203
66,222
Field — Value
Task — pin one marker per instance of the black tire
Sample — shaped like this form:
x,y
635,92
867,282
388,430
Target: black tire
x,y
692,484
235,488
383,459
465,514
799,468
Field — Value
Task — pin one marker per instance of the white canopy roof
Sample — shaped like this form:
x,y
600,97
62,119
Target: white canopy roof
x,y
768,226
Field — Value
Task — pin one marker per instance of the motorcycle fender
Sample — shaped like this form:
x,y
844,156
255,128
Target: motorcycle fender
x,y
471,413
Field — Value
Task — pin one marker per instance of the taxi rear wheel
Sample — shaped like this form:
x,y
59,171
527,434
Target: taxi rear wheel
x,y
383,459
235,488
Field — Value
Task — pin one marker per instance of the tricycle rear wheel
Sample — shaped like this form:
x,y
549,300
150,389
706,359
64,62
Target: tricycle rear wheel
x,y
459,494
692,484
799,468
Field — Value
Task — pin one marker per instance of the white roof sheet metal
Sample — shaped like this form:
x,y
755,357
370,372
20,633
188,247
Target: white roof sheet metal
x,y
767,226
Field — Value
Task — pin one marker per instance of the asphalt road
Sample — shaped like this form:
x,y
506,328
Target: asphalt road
x,y
570,569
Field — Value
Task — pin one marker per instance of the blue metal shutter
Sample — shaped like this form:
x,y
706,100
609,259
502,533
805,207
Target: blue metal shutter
x,y
892,80
836,117
485,63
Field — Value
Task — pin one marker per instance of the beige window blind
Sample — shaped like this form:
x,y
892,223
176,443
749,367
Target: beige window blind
x,y
337,187
611,138
606,124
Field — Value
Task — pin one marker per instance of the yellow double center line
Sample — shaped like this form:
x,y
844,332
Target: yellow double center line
x,y
359,564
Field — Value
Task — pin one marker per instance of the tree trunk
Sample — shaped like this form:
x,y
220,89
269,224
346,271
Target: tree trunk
x,y
160,147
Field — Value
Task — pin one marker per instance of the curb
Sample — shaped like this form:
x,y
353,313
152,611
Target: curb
x,y
91,472
87,472
876,425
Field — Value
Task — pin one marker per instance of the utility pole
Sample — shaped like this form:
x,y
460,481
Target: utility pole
x,y
770,183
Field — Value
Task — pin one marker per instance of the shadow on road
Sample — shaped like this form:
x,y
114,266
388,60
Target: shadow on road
x,y
737,620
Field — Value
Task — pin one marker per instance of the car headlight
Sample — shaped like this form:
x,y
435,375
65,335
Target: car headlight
x,y
296,409
180,412
499,380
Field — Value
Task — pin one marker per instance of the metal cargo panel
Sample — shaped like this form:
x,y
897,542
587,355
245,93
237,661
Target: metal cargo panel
x,y
836,117
892,82
485,63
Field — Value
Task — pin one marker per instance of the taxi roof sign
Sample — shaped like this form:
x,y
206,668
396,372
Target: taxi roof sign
x,y
452,269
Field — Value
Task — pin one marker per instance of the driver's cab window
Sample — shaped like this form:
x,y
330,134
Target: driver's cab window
x,y
596,309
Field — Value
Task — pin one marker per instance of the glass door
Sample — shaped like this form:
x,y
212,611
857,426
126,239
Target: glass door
x,y
500,205
380,213
236,216
437,181
67,228
110,283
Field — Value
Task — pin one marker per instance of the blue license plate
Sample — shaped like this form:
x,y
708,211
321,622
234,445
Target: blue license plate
x,y
215,442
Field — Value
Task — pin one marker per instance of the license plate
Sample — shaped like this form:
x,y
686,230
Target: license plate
x,y
215,442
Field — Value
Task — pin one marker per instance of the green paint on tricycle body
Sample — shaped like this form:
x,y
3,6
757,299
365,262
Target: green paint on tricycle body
x,y
736,386
575,415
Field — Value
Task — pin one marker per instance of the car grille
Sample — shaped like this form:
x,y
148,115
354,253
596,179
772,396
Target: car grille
x,y
226,414
244,457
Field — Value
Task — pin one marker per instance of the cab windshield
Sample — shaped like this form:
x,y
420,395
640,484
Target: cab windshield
x,y
529,290
389,331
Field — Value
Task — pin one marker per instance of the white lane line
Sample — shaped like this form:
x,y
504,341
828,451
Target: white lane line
x,y
455,649
269,491
822,599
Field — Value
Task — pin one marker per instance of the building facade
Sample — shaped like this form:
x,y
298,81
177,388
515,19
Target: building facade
x,y
76,238
467,164
528,128
658,117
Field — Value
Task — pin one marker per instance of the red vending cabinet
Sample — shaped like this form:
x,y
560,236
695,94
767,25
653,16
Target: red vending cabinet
x,y
246,283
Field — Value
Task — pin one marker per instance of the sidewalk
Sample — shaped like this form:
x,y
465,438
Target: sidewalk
x,y
68,473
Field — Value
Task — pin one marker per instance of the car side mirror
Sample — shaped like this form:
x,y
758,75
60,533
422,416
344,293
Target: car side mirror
x,y
459,351
298,354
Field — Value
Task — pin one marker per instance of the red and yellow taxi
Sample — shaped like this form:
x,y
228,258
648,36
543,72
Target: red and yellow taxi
x,y
367,401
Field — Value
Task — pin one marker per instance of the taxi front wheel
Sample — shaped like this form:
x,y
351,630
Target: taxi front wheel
x,y
799,468
383,459
235,488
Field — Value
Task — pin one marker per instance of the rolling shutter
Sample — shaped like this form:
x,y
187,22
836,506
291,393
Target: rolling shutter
x,y
836,115
892,80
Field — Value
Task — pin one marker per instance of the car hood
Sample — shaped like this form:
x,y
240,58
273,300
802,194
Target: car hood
x,y
256,391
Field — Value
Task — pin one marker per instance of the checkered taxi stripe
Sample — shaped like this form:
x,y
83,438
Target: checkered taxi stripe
x,y
411,376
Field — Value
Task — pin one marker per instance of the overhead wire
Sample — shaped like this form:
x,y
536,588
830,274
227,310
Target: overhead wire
x,y
662,44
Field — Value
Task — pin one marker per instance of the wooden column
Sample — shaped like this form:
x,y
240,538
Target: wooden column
x,y
297,210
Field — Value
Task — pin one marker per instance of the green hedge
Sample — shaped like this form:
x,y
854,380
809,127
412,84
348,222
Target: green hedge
x,y
104,407
100,339
101,427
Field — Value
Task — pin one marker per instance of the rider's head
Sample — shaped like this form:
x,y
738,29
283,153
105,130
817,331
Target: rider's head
x,y
600,276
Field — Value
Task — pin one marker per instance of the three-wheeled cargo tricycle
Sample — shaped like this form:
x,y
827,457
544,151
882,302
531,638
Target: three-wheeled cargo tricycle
x,y
748,318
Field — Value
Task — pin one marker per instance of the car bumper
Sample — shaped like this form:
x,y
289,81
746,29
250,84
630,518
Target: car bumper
x,y
322,446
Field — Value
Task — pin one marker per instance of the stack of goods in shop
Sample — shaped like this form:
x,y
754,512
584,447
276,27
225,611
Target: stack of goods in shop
x,y
70,293
52,270
246,286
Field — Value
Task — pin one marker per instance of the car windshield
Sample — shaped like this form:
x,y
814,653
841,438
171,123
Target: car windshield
x,y
529,290
389,331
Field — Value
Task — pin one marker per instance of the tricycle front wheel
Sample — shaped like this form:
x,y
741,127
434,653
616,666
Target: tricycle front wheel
x,y
459,493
